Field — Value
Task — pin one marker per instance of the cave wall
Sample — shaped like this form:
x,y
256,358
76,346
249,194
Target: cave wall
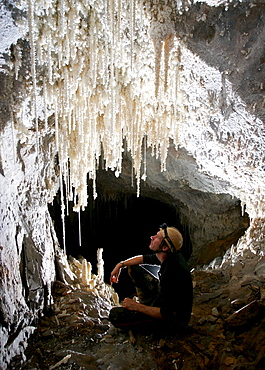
x,y
204,155
28,241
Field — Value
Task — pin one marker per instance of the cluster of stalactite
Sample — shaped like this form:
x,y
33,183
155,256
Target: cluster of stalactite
x,y
108,72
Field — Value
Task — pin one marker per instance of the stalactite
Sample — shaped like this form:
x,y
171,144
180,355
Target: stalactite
x,y
76,88
62,209
66,97
119,10
158,52
56,124
132,29
132,176
101,67
49,58
93,51
105,45
79,229
67,185
168,46
112,68
144,176
45,105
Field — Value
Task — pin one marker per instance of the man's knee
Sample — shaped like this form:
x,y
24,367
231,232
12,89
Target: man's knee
x,y
142,277
135,271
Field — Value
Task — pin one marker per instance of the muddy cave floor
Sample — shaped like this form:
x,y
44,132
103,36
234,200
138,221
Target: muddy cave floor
x,y
76,334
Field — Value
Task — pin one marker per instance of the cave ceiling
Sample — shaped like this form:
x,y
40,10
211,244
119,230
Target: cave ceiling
x,y
183,75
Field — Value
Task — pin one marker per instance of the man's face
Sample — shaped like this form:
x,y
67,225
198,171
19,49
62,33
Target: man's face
x,y
156,241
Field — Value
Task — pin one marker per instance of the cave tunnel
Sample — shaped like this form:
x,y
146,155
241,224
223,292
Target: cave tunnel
x,y
121,222
122,226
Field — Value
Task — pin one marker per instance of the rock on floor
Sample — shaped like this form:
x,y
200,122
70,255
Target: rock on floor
x,y
227,331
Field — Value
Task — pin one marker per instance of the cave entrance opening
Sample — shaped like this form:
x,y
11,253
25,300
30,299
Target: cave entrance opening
x,y
120,224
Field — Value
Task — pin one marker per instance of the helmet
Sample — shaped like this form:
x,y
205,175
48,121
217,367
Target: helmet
x,y
172,237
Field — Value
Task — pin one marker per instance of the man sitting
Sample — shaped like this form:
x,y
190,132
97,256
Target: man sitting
x,y
165,300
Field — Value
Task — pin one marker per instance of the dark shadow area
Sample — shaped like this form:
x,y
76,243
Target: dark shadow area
x,y
121,226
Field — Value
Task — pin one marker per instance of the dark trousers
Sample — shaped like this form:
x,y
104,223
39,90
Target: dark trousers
x,y
147,286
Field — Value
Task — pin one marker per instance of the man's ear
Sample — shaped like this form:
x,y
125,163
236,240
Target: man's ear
x,y
165,247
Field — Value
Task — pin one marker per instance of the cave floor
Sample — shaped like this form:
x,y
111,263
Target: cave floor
x,y
218,337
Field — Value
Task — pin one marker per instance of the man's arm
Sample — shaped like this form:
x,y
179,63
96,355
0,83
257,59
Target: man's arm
x,y
130,304
137,260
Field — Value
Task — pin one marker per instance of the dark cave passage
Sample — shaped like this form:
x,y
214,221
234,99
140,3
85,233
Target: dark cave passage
x,y
121,223
121,226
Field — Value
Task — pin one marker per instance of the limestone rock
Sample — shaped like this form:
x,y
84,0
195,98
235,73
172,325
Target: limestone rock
x,y
246,315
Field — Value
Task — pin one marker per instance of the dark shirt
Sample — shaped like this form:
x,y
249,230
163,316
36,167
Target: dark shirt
x,y
176,291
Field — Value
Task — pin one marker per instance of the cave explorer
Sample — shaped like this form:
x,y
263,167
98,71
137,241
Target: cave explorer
x,y
165,298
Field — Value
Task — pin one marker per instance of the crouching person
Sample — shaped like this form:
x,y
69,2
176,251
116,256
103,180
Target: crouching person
x,y
164,298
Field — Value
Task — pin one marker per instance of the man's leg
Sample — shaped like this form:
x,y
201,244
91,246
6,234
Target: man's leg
x,y
146,284
123,318
147,289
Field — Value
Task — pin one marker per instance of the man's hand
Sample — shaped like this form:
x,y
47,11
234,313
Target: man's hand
x,y
130,304
114,275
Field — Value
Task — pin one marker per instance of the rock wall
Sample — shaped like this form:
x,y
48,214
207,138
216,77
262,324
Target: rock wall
x,y
28,242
